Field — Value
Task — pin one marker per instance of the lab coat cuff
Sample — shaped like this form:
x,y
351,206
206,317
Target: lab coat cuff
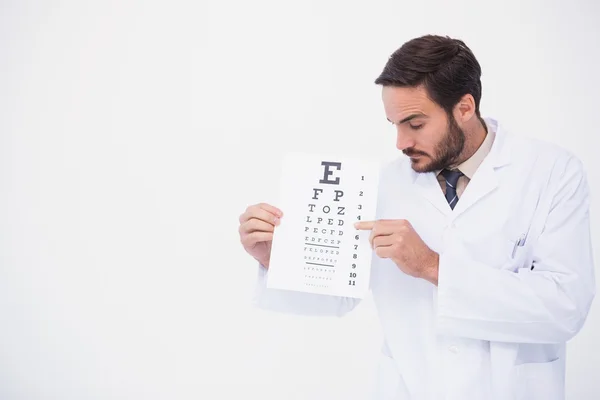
x,y
260,284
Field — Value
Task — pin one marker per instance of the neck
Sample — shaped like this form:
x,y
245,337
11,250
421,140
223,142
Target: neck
x,y
474,137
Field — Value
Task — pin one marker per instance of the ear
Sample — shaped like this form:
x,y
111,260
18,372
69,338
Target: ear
x,y
464,109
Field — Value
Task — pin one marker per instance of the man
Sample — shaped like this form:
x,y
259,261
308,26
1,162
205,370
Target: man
x,y
482,267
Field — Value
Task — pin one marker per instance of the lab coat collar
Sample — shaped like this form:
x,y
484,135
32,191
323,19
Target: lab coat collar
x,y
482,183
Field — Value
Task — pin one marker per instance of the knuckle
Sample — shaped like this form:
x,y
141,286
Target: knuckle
x,y
250,238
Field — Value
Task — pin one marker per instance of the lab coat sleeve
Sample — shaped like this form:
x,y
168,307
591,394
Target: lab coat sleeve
x,y
546,304
299,303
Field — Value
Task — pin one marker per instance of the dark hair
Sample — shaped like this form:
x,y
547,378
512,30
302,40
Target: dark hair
x,y
446,67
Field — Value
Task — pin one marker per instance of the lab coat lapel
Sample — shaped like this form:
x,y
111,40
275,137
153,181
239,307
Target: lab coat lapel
x,y
485,180
428,186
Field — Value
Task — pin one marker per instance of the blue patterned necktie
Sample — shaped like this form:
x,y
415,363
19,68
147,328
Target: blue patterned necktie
x,y
451,177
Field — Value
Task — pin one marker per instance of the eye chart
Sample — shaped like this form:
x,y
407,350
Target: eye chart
x,y
316,248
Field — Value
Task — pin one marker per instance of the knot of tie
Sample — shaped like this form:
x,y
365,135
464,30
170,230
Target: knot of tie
x,y
451,177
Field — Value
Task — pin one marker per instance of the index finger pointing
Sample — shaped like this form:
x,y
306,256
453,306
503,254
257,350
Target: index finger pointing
x,y
364,225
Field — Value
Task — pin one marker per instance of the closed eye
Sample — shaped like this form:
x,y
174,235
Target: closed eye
x,y
416,127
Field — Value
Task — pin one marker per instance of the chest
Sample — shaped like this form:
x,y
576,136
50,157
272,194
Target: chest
x,y
492,224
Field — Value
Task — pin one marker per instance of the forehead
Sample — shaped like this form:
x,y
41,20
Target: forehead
x,y
403,101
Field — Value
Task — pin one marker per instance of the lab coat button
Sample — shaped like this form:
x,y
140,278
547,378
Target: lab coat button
x,y
453,349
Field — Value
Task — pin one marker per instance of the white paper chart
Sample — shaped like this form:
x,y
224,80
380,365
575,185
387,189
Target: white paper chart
x,y
316,248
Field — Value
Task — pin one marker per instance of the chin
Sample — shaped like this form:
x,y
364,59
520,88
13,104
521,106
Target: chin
x,y
419,165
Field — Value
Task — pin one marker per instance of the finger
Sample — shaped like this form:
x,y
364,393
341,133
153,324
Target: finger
x,y
383,240
384,251
272,209
383,226
259,213
364,225
391,227
256,237
374,226
256,225
380,234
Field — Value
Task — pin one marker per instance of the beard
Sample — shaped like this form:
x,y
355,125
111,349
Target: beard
x,y
447,151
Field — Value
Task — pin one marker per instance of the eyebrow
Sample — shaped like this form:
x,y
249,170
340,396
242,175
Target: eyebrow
x,y
410,117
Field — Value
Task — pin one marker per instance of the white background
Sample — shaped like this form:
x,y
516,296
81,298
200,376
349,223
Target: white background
x,y
133,134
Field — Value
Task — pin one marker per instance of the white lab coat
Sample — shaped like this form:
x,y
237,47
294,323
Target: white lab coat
x,y
493,328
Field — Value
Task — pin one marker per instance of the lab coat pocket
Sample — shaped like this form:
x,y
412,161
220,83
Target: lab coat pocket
x,y
515,232
493,249
503,249
518,252
540,381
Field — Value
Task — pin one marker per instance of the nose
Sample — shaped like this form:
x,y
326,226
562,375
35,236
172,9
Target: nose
x,y
404,141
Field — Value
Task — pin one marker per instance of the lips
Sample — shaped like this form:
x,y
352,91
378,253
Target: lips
x,y
414,154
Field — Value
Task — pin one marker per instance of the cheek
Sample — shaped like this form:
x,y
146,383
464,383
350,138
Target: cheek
x,y
427,140
435,137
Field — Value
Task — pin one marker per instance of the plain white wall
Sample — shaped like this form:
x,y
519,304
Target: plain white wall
x,y
133,134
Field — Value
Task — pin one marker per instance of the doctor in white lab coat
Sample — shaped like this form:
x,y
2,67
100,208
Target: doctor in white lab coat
x,y
482,263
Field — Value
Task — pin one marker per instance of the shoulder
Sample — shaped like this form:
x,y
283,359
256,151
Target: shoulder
x,y
547,156
559,171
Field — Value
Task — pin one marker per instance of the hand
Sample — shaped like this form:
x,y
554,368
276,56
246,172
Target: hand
x,y
257,225
398,241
